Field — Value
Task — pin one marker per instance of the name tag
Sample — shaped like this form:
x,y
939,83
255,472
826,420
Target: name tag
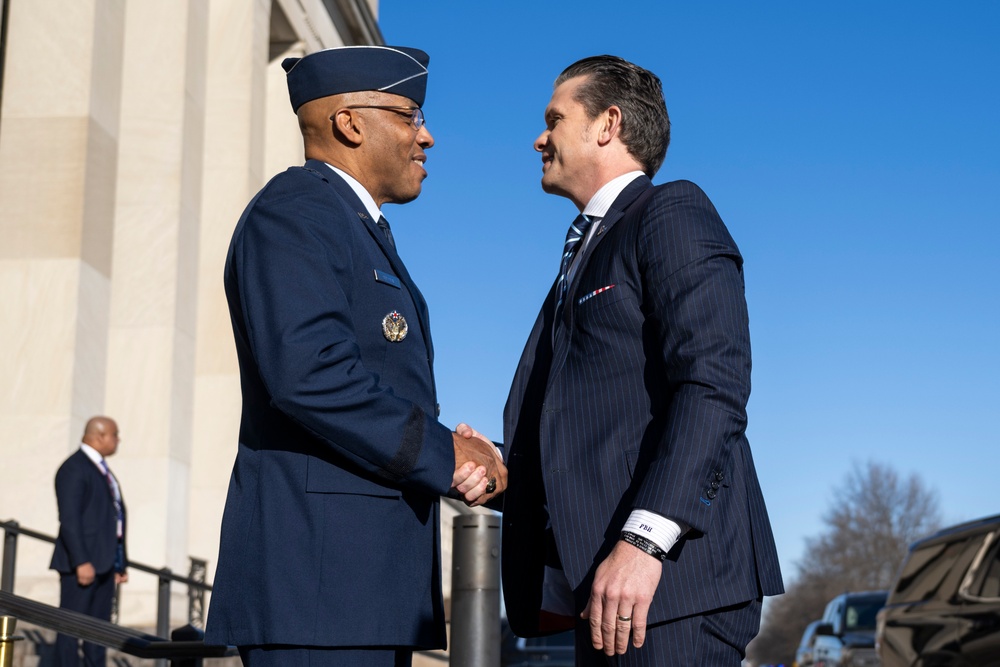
x,y
387,278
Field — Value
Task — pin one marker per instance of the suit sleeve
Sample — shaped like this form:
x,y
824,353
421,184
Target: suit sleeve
x,y
293,265
70,495
694,296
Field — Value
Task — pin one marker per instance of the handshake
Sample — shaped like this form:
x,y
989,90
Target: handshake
x,y
480,474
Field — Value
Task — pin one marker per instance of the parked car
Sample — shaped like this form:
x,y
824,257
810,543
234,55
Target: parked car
x,y
944,608
551,651
846,636
804,653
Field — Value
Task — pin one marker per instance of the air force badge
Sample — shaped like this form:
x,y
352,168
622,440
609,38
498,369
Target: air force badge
x,y
394,327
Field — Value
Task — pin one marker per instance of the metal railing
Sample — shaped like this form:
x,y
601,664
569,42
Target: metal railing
x,y
195,581
475,635
125,640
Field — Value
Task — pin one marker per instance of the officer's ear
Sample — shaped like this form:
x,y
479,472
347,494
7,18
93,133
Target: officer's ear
x,y
347,126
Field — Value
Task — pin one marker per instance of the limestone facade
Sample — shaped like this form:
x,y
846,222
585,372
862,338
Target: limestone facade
x,y
132,135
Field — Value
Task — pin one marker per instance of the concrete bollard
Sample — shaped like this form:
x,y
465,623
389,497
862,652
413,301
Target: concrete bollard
x,y
475,591
7,639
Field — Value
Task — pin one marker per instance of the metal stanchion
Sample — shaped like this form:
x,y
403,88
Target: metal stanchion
x,y
163,609
9,557
475,591
7,639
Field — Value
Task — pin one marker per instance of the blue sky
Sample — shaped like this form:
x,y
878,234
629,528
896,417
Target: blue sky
x,y
852,150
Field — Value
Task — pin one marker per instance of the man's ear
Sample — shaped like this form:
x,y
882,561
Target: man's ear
x,y
611,122
347,126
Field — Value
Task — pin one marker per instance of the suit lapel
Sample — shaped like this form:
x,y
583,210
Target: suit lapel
x,y
347,194
614,214
561,339
531,375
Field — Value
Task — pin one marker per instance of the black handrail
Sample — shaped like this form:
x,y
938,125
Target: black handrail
x,y
14,527
90,629
196,589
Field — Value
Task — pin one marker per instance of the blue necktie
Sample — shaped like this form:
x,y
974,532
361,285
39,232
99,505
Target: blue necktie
x,y
576,232
383,224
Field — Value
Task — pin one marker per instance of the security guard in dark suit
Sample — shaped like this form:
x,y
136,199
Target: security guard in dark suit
x,y
90,554
330,548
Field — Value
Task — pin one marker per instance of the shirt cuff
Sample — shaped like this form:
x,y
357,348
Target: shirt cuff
x,y
659,530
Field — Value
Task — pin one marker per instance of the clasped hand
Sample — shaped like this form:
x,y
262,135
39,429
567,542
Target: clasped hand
x,y
478,467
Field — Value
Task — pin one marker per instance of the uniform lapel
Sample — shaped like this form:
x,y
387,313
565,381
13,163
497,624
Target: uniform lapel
x,y
347,194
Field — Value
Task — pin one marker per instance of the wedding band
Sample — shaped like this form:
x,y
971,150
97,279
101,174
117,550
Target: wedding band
x,y
491,485
624,619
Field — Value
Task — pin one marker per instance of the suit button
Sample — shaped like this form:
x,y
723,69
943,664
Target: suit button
x,y
719,476
711,494
715,485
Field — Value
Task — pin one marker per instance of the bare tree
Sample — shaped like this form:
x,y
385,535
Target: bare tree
x,y
874,517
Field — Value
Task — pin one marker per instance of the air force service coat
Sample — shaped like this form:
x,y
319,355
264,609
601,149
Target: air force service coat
x,y
638,400
330,530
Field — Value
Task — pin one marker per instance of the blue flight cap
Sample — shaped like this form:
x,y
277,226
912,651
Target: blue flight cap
x,y
390,69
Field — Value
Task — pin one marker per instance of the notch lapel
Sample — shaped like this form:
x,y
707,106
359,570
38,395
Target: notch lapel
x,y
563,329
347,194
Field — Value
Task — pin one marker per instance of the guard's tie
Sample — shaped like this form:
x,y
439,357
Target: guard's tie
x,y
116,495
576,232
383,224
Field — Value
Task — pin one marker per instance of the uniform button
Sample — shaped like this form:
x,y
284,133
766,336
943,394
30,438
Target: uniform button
x,y
711,494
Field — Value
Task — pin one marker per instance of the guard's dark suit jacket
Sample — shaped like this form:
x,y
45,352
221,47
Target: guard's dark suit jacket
x,y
639,402
330,531
88,523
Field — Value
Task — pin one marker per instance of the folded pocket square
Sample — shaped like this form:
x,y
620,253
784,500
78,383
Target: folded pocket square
x,y
587,297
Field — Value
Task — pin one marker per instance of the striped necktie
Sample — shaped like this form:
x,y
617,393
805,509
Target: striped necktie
x,y
577,231
116,495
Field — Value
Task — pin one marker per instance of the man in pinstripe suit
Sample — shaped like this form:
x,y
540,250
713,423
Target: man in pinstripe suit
x,y
633,509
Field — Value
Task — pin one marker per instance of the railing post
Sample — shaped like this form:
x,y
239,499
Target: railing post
x,y
7,639
9,556
163,609
475,591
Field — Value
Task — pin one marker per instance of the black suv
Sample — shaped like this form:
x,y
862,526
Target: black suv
x,y
945,606
846,635
550,651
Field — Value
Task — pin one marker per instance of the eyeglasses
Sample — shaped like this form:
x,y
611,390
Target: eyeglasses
x,y
415,114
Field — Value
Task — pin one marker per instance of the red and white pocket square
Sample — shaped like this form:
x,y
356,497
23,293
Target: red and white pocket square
x,y
587,297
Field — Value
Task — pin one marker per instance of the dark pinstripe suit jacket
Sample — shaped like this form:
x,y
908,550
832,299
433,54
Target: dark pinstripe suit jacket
x,y
639,401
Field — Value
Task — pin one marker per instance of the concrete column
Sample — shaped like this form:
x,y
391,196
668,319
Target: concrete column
x,y
153,284
234,146
59,131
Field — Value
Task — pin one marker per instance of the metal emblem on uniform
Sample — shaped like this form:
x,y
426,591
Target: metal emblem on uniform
x,y
394,327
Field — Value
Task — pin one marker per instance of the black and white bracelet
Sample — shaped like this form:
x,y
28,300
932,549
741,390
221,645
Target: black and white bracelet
x,y
641,543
